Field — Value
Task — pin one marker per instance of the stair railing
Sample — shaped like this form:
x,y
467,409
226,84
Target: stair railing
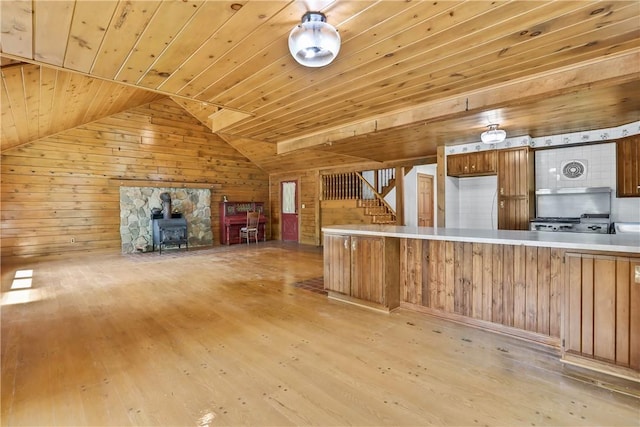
x,y
353,186
376,194
383,178
341,186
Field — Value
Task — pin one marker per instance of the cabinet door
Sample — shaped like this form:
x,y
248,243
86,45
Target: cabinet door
x,y
486,162
367,271
628,167
603,308
456,164
472,164
515,188
513,172
337,263
513,213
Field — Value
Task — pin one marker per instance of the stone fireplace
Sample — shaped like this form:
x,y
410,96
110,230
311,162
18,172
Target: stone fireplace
x,y
136,204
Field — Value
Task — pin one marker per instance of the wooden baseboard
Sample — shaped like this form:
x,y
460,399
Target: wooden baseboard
x,y
602,367
358,302
483,324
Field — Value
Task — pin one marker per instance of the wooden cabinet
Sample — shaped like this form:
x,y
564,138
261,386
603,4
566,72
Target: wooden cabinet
x,y
472,164
362,269
368,281
337,263
515,188
628,167
515,171
602,307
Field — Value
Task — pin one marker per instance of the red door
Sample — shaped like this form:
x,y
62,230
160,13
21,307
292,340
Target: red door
x,y
289,210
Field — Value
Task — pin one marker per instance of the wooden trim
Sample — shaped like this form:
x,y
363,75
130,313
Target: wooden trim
x,y
358,302
440,190
399,195
123,182
482,324
602,367
370,165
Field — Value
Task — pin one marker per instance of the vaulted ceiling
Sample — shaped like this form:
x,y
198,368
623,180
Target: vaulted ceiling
x,y
410,76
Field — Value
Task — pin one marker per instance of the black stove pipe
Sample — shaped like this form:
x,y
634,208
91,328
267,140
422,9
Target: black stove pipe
x,y
166,205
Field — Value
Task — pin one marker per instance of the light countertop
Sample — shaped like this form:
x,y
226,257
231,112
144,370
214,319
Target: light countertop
x,y
629,243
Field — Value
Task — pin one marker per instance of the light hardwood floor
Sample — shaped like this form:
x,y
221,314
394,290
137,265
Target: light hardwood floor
x,y
222,337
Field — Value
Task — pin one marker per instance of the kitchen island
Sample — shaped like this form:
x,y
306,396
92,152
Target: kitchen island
x,y
577,292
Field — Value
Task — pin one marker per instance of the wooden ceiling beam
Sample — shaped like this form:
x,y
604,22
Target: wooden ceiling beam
x,y
606,71
224,118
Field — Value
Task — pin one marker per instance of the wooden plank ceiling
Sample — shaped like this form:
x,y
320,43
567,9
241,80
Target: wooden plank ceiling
x,y
410,76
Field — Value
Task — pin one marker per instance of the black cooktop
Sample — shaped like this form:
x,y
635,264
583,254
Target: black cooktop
x,y
556,219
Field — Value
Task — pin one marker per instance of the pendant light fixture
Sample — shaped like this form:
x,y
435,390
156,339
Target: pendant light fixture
x,y
313,42
493,135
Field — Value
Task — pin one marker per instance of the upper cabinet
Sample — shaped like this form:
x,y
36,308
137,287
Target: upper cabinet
x,y
515,188
472,164
628,166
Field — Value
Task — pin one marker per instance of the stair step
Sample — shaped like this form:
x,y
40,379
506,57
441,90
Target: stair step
x,y
383,219
369,203
376,210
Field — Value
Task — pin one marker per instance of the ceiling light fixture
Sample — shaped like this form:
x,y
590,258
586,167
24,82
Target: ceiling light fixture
x,y
493,135
314,43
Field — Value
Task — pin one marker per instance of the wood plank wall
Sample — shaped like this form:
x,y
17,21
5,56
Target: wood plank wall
x,y
508,285
66,185
338,212
308,195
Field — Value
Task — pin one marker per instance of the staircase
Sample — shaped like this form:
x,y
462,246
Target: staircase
x,y
378,212
368,196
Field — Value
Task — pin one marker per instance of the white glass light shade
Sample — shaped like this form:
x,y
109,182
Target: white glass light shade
x,y
314,43
493,135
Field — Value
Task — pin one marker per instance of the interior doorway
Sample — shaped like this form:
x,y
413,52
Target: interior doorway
x,y
289,210
425,200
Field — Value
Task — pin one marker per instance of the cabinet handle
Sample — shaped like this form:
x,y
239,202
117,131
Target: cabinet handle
x,y
353,245
502,204
346,243
501,191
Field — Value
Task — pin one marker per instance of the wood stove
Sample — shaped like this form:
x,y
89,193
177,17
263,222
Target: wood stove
x,y
170,232
169,228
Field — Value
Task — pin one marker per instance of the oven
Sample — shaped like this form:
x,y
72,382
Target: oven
x,y
573,210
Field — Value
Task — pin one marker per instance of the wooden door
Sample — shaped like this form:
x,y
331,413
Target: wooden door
x,y
515,189
337,263
289,210
367,268
628,167
425,200
513,213
513,177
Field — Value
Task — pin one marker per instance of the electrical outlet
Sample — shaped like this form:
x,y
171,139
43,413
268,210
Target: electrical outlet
x,y
73,240
637,275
